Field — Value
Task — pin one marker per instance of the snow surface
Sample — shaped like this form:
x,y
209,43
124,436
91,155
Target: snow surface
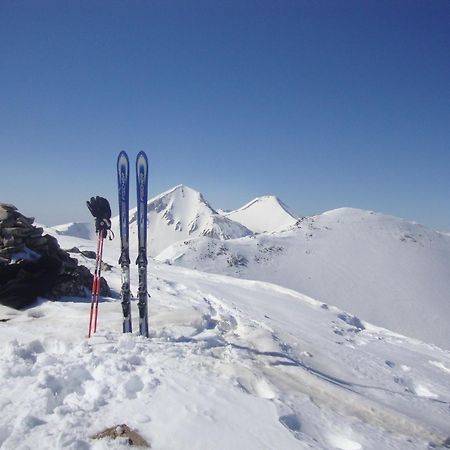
x,y
178,214
230,363
393,273
264,214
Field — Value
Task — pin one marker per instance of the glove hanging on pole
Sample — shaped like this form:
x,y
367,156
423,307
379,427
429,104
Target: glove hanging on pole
x,y
100,209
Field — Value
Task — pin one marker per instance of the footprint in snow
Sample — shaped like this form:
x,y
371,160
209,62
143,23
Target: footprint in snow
x,y
132,386
291,422
35,314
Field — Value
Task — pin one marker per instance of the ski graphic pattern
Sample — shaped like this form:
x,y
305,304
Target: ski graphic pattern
x,y
123,181
142,193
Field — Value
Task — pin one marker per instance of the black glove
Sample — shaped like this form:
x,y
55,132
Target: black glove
x,y
100,209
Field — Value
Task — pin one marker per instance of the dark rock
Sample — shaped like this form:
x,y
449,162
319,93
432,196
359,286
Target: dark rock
x,y
88,254
44,270
7,241
16,232
351,320
35,233
23,282
237,261
73,250
75,282
26,222
38,242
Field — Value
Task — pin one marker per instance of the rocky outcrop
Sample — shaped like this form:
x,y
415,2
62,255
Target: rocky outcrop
x,y
32,264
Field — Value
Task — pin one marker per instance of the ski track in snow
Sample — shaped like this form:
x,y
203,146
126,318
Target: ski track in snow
x,y
230,364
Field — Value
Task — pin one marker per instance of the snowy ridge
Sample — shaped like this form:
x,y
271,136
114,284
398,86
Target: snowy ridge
x,y
178,214
264,214
389,271
223,352
82,230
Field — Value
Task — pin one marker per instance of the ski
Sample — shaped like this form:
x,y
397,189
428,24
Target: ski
x,y
142,190
123,182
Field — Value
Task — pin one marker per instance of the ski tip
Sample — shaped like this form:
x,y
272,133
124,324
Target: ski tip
x,y
122,155
141,155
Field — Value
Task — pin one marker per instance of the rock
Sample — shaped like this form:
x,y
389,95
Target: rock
x,y
106,267
38,242
7,241
26,222
123,432
35,233
16,232
22,283
351,320
34,265
7,207
75,282
73,250
88,254
6,211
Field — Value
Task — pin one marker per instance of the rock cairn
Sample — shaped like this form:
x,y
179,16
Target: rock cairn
x,y
32,264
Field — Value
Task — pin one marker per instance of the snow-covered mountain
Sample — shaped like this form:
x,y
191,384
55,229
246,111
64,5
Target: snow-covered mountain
x,y
179,214
394,273
230,363
264,214
81,230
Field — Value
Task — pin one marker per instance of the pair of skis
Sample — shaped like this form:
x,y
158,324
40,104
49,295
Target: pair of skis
x,y
123,179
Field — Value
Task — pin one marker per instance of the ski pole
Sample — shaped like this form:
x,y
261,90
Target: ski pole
x,y
99,271
94,283
100,209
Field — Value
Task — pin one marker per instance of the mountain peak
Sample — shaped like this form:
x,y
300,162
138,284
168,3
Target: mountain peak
x,y
264,214
181,196
182,213
180,189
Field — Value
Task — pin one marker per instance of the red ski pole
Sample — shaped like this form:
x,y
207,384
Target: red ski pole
x,y
99,279
100,209
95,281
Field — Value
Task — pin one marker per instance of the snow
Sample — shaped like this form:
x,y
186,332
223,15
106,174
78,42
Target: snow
x,y
386,270
264,214
76,229
178,214
230,363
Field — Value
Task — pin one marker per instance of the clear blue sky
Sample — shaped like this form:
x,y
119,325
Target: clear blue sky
x,y
323,103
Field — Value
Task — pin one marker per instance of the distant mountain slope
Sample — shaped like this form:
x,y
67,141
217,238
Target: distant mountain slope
x,y
81,230
178,214
394,273
264,214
